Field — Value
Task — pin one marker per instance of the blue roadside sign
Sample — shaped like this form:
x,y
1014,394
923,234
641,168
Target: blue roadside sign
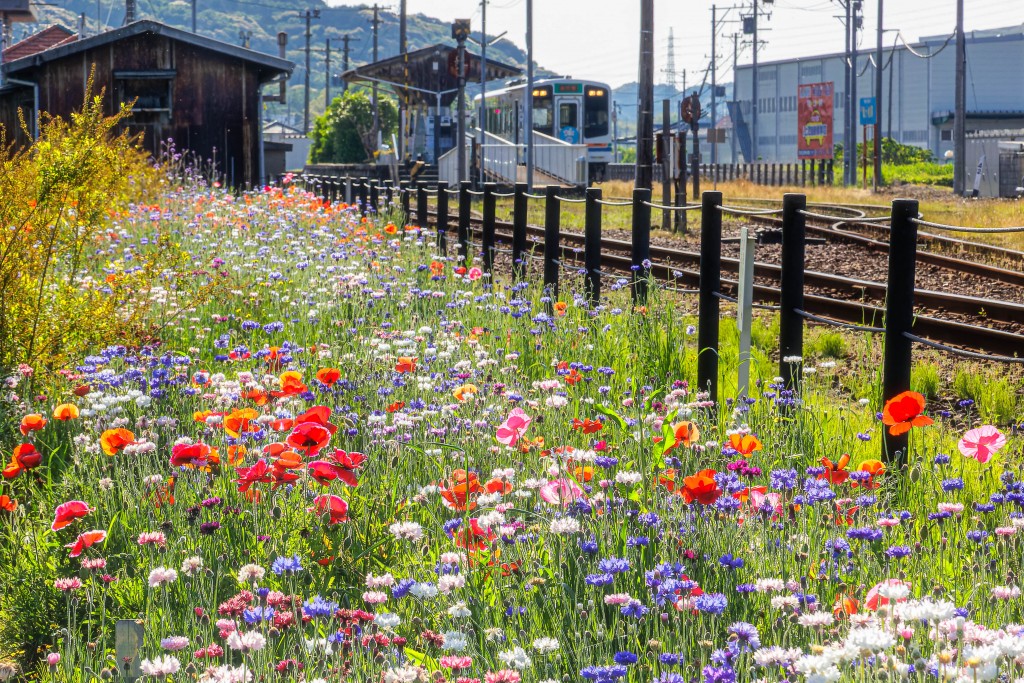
x,y
868,111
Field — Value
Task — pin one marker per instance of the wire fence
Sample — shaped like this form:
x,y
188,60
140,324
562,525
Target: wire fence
x,y
835,323
666,207
962,352
747,211
954,228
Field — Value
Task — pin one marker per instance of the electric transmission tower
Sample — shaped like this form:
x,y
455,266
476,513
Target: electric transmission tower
x,y
671,75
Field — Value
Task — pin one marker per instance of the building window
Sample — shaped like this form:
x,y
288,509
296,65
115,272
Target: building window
x,y
152,91
946,135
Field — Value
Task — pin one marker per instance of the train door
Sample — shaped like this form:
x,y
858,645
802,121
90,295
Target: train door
x,y
569,127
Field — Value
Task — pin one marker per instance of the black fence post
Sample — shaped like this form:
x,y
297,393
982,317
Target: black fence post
x,y
404,191
899,317
791,323
641,251
592,245
710,288
520,207
487,238
375,195
552,252
421,206
348,189
442,217
464,210
364,188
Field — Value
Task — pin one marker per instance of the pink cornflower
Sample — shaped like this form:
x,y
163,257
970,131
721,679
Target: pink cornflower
x,y
456,663
617,599
94,563
1006,530
71,583
152,538
209,652
375,597
954,508
502,676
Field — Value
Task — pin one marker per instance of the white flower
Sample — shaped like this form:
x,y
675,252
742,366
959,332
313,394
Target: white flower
x,y
628,478
773,656
869,639
894,591
404,674
251,573
925,610
565,525
515,658
162,575
191,566
160,667
226,674
815,619
446,584
785,601
409,531
382,581
769,585
249,641
455,641
424,591
545,645
459,610
386,620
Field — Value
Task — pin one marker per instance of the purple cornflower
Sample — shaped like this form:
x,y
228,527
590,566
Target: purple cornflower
x,y
711,603
865,534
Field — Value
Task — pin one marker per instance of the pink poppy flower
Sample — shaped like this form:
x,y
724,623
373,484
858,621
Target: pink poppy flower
x,y
475,273
513,427
68,512
86,540
982,443
561,491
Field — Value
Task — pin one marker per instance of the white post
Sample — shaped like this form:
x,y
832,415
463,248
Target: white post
x,y
745,309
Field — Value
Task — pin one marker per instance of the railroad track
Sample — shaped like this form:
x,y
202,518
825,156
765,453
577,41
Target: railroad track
x,y
676,265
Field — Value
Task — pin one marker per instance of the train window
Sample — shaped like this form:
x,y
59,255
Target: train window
x,y
568,115
543,115
595,113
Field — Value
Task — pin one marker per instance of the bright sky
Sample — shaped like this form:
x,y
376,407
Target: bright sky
x,y
598,39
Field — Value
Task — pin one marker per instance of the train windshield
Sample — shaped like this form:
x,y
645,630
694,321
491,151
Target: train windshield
x,y
595,113
543,111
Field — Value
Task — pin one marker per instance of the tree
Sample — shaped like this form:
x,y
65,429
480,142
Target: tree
x,y
344,134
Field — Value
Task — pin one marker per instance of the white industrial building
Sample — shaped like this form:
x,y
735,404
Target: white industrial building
x,y
918,92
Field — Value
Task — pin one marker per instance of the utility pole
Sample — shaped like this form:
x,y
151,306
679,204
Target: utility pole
x,y
460,32
309,15
344,59
482,124
403,48
327,73
529,95
194,3
879,72
615,131
735,70
375,22
753,103
854,108
960,115
847,133
714,87
645,99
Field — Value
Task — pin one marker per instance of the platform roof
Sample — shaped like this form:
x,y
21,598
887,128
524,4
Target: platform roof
x,y
418,77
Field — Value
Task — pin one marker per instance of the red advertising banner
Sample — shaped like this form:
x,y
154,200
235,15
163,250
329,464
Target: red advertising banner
x,y
815,116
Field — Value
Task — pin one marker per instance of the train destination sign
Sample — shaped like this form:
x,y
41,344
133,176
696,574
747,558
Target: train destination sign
x,y
815,118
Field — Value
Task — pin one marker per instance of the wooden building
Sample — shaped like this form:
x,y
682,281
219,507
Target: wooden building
x,y
200,93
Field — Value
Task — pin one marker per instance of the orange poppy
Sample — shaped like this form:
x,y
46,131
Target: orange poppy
x,y
328,376
904,411
465,391
561,307
291,384
163,494
65,412
114,441
436,268
405,364
875,468
835,473
583,473
31,423
701,487
744,443
744,495
396,406
845,606
686,434
7,503
668,480
456,494
239,421
24,458
257,396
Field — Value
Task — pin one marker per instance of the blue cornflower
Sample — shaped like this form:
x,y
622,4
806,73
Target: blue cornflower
x,y
671,658
624,657
613,565
589,547
711,603
286,564
898,552
730,562
634,608
318,607
401,589
954,484
257,614
783,480
941,459
746,635
604,674
865,534
599,579
719,674
977,536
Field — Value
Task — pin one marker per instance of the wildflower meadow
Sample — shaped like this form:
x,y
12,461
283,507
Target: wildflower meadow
x,y
359,459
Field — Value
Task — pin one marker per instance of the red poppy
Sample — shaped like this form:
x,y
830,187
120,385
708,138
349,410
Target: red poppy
x,y
320,415
86,540
475,537
31,423
68,512
904,411
668,480
744,443
114,441
701,487
328,376
686,433
744,495
845,606
82,390
309,438
436,268
24,457
835,473
283,425
190,455
291,384
346,463
335,506
588,426
163,494
258,397
7,503
396,406
258,473
322,471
